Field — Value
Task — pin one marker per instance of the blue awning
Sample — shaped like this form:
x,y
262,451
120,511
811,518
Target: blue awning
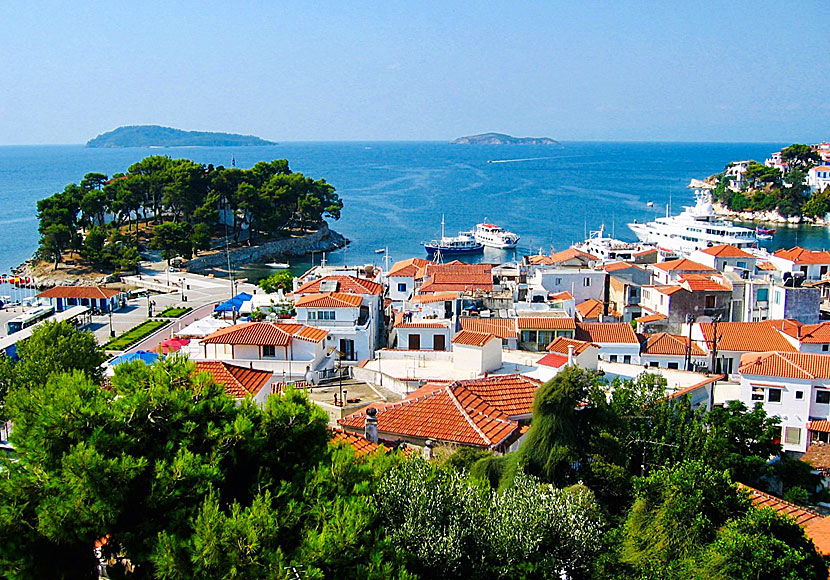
x,y
234,304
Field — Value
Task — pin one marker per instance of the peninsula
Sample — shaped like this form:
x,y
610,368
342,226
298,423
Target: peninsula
x,y
502,139
157,136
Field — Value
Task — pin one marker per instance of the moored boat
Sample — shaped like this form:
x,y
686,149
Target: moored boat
x,y
494,236
463,243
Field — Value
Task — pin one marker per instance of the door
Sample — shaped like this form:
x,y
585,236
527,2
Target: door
x,y
414,342
347,348
439,342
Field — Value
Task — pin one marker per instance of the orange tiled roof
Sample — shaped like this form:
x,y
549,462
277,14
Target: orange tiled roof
x,y
800,255
265,333
476,412
553,359
422,325
457,277
545,323
617,266
350,284
89,292
239,382
606,332
501,327
664,343
814,333
769,266
471,338
645,252
329,300
560,345
361,445
565,295
559,257
703,283
650,318
591,308
683,265
667,290
746,337
794,365
437,297
727,251
764,500
407,268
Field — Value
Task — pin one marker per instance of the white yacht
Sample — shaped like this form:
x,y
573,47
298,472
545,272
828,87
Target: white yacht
x,y
608,248
698,227
494,236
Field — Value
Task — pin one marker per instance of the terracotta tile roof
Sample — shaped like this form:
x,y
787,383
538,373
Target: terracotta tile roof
x,y
769,266
553,360
746,337
265,333
329,300
813,333
239,382
545,323
476,412
361,445
645,252
801,515
561,296
664,343
667,290
501,327
422,325
89,292
560,345
703,283
437,297
345,284
650,318
471,338
800,255
727,251
794,365
457,276
617,266
683,265
696,386
606,332
560,257
821,426
591,308
407,268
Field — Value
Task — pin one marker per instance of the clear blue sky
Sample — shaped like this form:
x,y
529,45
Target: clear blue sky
x,y
389,70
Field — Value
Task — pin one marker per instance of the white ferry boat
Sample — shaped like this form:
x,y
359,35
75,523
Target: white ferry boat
x,y
698,227
463,243
494,236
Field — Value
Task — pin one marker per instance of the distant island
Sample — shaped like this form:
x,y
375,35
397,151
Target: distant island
x,y
157,136
502,139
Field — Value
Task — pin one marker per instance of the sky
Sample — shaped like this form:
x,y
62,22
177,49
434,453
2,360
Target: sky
x,y
360,70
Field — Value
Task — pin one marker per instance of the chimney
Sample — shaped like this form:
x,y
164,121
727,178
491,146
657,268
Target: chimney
x,y
370,429
428,449
570,355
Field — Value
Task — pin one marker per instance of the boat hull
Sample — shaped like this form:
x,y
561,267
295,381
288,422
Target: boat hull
x,y
432,250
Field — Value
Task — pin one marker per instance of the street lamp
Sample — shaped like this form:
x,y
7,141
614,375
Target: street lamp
x,y
109,311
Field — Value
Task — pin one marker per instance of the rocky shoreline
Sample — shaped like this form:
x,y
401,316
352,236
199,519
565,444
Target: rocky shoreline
x,y
767,217
322,240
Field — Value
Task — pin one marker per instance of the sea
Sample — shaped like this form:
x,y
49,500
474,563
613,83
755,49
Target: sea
x,y
396,193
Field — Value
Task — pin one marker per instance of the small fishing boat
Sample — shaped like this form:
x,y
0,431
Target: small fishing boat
x,y
380,250
764,231
278,265
650,204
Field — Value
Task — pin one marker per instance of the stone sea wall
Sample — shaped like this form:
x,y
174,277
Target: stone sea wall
x,y
323,240
765,216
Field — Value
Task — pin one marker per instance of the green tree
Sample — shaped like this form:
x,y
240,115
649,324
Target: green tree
x,y
819,204
800,155
173,239
761,546
283,279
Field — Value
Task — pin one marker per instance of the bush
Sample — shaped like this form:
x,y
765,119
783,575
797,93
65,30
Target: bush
x,y
135,334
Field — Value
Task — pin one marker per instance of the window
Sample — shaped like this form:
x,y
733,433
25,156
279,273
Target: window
x,y
402,287
799,395
654,363
825,347
710,301
742,265
763,294
778,297
586,281
757,393
672,365
823,397
792,435
321,315
269,350
774,396
627,359
557,281
612,358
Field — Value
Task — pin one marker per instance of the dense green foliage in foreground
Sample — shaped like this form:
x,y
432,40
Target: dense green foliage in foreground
x,y
768,189
184,483
183,200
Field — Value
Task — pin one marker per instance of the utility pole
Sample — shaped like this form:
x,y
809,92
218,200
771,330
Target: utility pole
x,y
690,319
713,365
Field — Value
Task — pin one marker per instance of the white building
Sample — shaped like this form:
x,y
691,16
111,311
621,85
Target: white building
x,y
813,264
400,280
669,351
476,352
719,257
582,283
616,340
346,319
819,177
794,387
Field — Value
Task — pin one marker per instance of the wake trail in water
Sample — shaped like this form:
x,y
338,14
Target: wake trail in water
x,y
520,160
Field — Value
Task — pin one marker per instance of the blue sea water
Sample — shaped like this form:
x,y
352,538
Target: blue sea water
x,y
396,192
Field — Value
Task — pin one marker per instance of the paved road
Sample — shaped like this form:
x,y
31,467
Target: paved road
x,y
152,341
